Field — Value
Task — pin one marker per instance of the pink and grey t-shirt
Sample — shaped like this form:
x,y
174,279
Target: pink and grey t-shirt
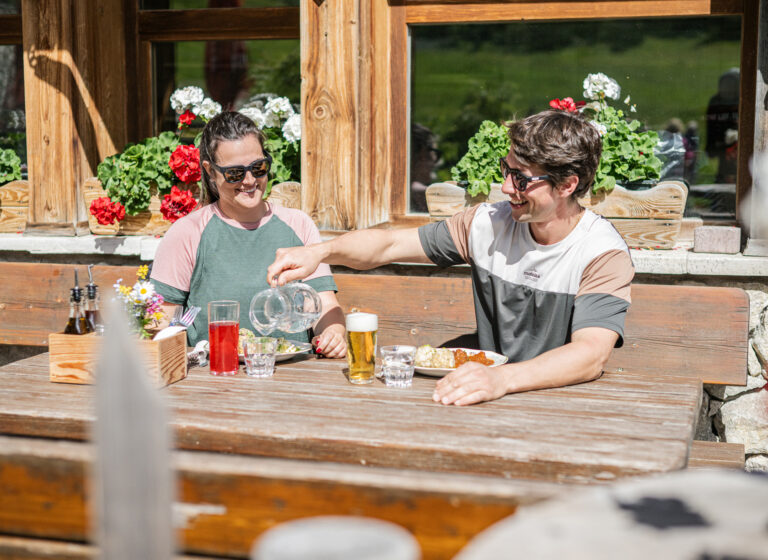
x,y
530,298
206,256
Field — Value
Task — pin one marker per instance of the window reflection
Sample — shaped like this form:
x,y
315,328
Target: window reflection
x,y
12,116
673,68
230,72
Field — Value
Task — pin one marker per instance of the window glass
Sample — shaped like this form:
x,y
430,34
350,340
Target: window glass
x,y
12,117
198,4
10,6
681,75
229,72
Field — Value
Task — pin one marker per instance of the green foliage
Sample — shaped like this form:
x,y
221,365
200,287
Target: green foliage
x,y
286,164
131,176
16,141
480,165
10,166
628,151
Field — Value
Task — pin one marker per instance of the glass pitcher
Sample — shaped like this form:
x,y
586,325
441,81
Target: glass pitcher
x,y
291,308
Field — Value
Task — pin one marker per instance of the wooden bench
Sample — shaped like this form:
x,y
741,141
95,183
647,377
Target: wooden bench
x,y
700,332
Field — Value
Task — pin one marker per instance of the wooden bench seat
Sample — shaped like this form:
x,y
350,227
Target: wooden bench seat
x,y
700,332
716,454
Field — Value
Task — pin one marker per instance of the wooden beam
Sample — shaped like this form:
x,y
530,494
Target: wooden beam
x,y
399,131
748,73
454,12
10,29
75,92
219,24
330,159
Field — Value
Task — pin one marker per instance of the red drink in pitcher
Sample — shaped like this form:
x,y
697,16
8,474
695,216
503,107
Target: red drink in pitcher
x,y
222,338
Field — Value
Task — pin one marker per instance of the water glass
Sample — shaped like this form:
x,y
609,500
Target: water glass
x,y
259,356
223,332
397,365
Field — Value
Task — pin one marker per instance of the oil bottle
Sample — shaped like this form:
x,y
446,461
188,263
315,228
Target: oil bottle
x,y
76,323
92,313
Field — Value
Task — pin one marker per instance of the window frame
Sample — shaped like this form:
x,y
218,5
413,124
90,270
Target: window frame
x,y
414,12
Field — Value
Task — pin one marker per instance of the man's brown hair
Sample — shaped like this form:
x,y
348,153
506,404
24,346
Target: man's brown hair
x,y
562,143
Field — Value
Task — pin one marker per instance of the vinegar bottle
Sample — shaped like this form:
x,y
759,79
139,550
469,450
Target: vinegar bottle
x,y
92,313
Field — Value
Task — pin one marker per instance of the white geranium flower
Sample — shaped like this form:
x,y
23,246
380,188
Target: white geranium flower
x,y
280,106
142,291
626,100
259,100
258,117
271,120
207,109
292,128
186,98
599,127
598,86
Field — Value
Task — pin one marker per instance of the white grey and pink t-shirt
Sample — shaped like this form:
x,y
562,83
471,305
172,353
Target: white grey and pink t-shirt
x,y
530,298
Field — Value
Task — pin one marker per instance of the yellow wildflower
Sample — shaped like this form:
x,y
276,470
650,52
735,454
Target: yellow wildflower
x,y
142,272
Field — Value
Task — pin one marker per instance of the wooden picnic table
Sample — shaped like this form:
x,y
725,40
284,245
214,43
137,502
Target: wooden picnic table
x,y
622,424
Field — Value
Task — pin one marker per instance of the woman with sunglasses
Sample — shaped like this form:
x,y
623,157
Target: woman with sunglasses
x,y
222,249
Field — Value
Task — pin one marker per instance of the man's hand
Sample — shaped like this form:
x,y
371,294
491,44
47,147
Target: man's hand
x,y
293,263
470,383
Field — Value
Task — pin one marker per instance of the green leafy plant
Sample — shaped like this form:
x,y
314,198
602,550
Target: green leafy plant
x,y
479,167
10,166
131,176
628,151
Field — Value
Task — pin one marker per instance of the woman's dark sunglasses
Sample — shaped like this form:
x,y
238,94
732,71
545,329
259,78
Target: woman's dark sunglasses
x,y
519,180
236,173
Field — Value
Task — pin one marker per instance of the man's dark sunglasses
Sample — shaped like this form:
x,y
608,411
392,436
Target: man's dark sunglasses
x,y
236,173
519,180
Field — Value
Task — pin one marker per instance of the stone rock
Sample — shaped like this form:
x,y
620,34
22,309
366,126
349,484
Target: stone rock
x,y
730,392
758,303
704,427
759,348
745,420
717,239
754,368
756,463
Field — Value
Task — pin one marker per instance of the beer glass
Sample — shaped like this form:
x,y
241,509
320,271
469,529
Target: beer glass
x,y
223,327
361,346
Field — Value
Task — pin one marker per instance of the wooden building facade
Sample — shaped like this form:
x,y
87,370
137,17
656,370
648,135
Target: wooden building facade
x,y
88,88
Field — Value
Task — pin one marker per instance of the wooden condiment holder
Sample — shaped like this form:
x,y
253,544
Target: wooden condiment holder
x,y
73,358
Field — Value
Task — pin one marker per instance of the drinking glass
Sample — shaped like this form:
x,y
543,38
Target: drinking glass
x,y
361,346
223,331
259,356
397,365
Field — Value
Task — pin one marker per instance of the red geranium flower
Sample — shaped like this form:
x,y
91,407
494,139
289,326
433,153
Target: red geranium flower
x,y
186,118
107,212
566,104
177,204
185,163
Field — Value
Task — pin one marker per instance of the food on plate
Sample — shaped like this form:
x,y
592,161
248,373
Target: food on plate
x,y
445,358
283,346
463,357
429,357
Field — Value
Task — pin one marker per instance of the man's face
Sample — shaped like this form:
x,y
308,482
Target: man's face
x,y
539,201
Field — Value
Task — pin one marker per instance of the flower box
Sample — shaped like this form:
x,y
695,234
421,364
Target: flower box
x,y
14,206
149,222
73,358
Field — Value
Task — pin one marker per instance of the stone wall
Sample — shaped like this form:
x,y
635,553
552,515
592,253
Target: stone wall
x,y
740,414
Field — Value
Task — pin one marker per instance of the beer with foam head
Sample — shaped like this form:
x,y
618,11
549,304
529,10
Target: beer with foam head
x,y
361,346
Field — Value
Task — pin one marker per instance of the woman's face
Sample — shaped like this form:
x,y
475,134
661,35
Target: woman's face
x,y
242,200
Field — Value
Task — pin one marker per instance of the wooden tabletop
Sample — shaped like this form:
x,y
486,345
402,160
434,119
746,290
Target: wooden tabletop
x,y
619,425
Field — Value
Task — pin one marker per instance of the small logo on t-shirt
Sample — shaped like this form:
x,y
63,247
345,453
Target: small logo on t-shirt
x,y
532,275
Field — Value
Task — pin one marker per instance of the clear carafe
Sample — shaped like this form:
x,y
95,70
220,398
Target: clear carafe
x,y
292,308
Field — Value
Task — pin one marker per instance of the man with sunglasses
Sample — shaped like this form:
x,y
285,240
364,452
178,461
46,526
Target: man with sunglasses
x,y
551,280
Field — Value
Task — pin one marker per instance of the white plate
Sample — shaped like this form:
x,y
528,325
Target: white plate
x,y
498,359
283,356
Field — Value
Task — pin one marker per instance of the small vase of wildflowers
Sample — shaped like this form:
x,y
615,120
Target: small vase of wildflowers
x,y
141,303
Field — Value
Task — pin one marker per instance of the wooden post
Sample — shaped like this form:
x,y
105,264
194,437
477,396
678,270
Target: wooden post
x,y
75,93
345,111
757,244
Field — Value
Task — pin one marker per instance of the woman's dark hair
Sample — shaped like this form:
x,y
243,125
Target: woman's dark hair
x,y
229,125
562,143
